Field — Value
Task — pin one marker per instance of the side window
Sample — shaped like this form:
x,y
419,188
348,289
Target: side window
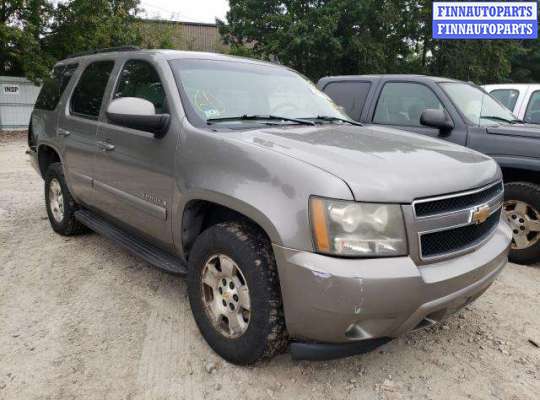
x,y
402,103
507,97
532,115
140,79
350,95
54,86
88,95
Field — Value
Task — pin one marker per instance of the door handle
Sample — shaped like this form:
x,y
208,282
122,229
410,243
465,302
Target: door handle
x,y
105,146
62,132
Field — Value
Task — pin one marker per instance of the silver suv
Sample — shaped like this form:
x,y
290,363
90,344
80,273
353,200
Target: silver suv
x,y
294,225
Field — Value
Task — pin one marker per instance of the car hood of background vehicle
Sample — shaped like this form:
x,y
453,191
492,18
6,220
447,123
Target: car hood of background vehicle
x,y
527,130
381,164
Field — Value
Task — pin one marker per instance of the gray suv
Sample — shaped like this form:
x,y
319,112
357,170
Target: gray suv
x,y
294,224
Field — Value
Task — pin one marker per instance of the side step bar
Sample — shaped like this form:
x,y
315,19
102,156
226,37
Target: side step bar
x,y
148,252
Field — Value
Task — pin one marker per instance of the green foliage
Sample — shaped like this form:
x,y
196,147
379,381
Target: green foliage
x,y
81,25
23,25
322,37
156,34
34,34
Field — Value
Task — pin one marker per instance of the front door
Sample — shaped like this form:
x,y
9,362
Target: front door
x,y
134,179
400,105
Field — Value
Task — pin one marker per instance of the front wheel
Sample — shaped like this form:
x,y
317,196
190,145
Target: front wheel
x,y
522,209
234,293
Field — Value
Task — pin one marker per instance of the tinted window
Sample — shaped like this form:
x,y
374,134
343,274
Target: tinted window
x,y
54,86
350,95
88,95
507,97
403,103
532,115
140,79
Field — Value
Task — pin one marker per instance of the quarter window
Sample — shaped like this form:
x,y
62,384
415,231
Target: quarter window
x,y
402,103
140,79
88,95
507,97
532,115
54,86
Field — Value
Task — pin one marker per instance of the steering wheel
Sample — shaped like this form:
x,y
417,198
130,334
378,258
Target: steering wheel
x,y
281,109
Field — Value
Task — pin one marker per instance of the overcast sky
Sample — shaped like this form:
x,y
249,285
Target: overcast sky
x,y
186,10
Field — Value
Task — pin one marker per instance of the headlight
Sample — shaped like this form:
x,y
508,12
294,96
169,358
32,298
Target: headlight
x,y
347,228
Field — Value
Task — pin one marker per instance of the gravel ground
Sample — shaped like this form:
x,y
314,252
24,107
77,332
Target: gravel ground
x,y
82,319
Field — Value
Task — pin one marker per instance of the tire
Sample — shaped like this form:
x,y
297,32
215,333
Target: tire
x,y
244,245
66,224
528,193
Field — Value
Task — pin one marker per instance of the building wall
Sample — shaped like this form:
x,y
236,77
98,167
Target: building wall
x,y
17,98
184,35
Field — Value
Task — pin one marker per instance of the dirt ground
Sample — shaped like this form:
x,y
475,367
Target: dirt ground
x,y
81,318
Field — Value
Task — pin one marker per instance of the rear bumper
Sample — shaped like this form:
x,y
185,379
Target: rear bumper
x,y
337,300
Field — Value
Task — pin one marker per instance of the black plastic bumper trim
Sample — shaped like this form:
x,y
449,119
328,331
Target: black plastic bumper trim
x,y
329,351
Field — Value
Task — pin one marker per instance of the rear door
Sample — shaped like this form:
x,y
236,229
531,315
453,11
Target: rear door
x,y
134,171
400,104
78,123
45,116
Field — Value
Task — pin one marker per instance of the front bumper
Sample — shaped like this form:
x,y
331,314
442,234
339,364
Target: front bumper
x,y
339,300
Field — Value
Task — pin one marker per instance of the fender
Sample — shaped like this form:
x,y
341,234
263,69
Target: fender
x,y
224,200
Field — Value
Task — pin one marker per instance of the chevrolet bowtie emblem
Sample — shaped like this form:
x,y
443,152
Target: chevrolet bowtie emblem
x,y
480,214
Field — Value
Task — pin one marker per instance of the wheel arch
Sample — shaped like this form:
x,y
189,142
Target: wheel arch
x,y
47,155
513,174
203,210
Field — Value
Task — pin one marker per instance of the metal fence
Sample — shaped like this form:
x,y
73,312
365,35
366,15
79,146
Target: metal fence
x,y
17,98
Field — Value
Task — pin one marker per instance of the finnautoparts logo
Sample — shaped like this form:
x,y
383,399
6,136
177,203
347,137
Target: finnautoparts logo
x,y
485,20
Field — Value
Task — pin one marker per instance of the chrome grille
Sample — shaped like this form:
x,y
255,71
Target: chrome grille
x,y
424,208
443,242
446,226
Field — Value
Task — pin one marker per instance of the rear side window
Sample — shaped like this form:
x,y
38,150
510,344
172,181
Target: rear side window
x,y
54,86
88,95
402,103
532,115
350,95
507,97
140,79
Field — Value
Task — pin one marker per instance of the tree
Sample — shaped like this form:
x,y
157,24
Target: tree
x,y
320,37
24,24
81,25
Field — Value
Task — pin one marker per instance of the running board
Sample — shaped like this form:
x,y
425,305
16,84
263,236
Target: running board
x,y
148,252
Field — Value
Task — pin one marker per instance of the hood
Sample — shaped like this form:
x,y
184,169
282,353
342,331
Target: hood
x,y
381,164
526,130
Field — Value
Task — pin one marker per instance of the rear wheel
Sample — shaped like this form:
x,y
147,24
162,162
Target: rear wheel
x,y
234,293
60,205
522,208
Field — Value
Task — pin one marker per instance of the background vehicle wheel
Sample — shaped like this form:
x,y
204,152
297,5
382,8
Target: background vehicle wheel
x,y
60,205
234,293
522,208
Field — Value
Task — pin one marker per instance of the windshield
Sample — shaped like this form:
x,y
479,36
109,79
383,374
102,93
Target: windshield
x,y
477,106
223,90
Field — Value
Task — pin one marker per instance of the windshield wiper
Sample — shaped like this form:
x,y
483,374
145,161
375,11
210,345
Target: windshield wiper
x,y
496,118
329,118
246,117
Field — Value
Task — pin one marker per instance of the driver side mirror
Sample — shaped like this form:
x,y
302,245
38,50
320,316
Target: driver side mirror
x,y
436,118
137,113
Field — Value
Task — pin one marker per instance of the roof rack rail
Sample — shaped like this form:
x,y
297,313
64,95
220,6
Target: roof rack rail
x,y
104,50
